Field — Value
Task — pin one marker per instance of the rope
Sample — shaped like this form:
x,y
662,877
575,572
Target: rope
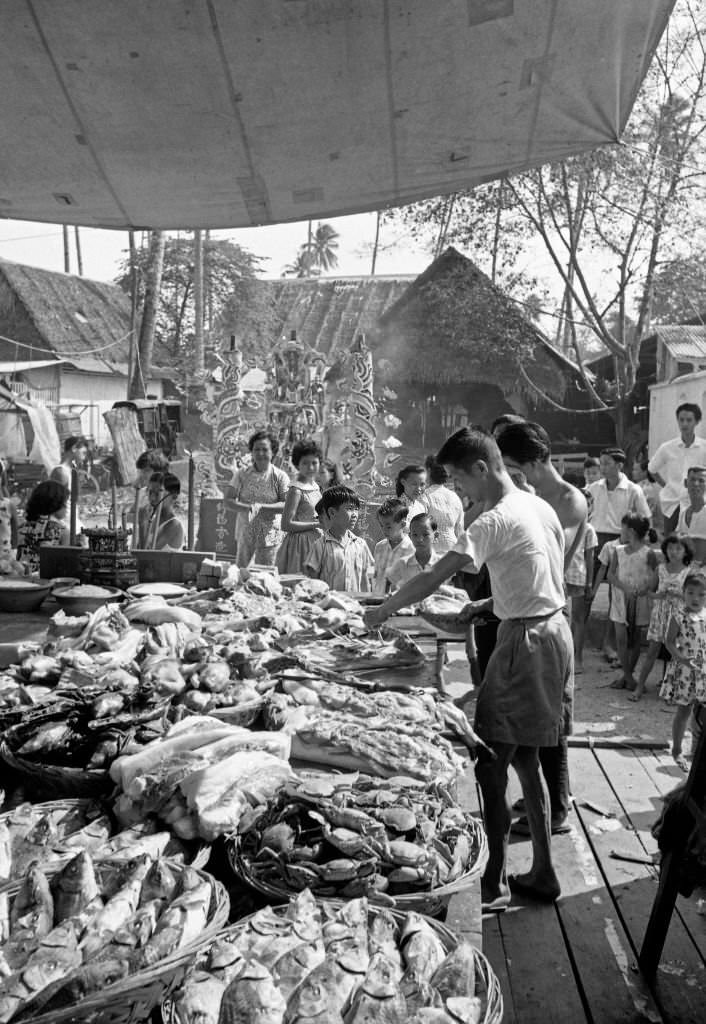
x,y
77,355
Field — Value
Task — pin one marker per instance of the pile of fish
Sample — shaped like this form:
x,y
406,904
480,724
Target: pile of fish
x,y
203,778
354,835
319,963
95,924
51,834
48,833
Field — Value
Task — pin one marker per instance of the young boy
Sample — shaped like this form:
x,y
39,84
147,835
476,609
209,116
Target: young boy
x,y
395,543
339,558
692,518
591,470
422,533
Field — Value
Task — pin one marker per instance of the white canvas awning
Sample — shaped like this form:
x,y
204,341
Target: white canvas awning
x,y
216,113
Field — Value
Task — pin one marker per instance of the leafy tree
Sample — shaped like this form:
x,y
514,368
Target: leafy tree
x,y
230,294
680,290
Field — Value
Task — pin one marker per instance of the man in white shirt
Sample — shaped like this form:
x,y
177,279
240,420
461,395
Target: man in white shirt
x,y
525,699
671,461
692,518
614,497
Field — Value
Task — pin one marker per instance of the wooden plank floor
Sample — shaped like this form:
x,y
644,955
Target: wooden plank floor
x,y
577,960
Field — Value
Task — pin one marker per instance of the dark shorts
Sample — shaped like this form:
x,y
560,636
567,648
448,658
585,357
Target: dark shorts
x,y
527,694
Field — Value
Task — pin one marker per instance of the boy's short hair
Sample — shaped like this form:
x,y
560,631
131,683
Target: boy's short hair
x,y
169,481
319,507
335,497
591,462
691,407
154,459
75,441
422,517
616,454
695,469
468,446
393,508
695,579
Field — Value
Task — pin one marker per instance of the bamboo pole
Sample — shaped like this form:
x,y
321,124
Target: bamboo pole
x,y
74,507
136,520
190,511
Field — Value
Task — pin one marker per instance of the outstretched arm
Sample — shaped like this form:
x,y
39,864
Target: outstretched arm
x,y
418,588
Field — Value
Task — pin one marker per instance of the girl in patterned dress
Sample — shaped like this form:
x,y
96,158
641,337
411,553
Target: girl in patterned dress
x,y
299,522
671,573
685,679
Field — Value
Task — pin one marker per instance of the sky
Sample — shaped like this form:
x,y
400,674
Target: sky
x,y
41,245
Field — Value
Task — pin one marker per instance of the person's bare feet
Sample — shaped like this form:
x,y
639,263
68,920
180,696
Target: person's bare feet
x,y
638,694
545,889
681,762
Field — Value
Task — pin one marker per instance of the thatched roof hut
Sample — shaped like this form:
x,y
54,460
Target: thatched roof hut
x,y
452,325
328,313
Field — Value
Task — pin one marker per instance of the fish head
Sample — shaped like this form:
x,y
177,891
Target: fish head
x,y
78,875
43,833
49,965
312,997
101,974
382,977
160,881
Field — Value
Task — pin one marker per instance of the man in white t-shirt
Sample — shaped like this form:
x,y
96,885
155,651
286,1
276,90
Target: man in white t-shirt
x,y
670,463
614,496
525,699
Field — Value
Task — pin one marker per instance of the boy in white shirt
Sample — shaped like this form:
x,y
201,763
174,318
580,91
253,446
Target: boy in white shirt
x,y
422,533
395,544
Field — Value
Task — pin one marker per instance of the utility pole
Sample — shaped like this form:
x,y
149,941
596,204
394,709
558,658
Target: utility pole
x,y
79,260
377,239
199,355
133,308
67,255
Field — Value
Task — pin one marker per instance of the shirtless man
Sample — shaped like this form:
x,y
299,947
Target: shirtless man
x,y
526,447
524,701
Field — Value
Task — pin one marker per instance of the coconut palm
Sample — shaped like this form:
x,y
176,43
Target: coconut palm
x,y
323,247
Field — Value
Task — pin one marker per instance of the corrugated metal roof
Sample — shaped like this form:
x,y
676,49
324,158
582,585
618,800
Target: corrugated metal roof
x,y
685,343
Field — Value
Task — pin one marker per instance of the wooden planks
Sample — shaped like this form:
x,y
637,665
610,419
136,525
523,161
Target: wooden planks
x,y
680,986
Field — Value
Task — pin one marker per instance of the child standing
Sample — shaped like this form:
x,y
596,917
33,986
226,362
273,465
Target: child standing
x,y
668,590
631,575
299,522
46,522
339,558
685,679
591,470
422,533
600,572
395,543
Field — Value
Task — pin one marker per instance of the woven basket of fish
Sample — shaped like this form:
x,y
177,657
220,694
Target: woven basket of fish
x,y
399,842
48,780
338,962
104,941
53,833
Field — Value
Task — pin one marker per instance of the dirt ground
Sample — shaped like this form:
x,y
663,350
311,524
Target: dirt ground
x,y
600,713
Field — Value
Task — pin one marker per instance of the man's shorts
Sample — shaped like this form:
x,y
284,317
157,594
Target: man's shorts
x,y
527,694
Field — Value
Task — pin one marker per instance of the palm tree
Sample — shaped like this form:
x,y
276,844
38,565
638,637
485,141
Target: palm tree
x,y
323,247
301,266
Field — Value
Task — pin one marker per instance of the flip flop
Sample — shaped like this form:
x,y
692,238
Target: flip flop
x,y
529,892
498,905
521,828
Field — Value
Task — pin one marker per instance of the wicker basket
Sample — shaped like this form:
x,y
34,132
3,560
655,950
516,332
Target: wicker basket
x,y
487,985
431,901
11,885
48,780
131,1000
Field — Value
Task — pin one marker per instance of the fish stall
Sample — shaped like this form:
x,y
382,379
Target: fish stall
x,y
236,804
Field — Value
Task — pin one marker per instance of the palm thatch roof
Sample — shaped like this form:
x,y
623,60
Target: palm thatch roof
x,y
453,325
85,322
328,313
